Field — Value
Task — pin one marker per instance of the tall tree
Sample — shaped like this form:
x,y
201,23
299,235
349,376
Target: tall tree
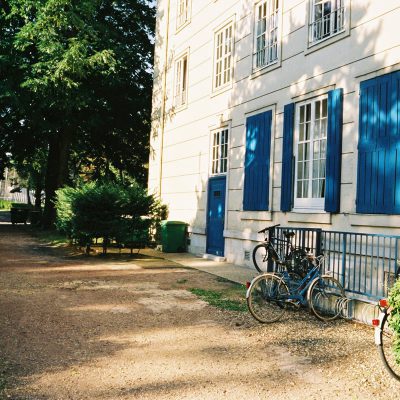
x,y
80,83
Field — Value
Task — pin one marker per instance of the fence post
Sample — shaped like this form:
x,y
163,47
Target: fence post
x,y
344,250
270,265
318,240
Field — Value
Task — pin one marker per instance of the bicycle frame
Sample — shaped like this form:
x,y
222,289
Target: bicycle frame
x,y
300,292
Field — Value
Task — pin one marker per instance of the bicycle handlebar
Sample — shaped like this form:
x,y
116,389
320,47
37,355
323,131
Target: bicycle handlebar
x,y
269,228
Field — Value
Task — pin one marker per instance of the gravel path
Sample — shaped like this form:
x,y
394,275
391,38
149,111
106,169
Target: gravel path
x,y
92,328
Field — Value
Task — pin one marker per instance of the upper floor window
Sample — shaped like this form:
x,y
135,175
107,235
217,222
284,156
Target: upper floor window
x,y
310,153
223,55
181,74
327,19
183,13
219,163
266,33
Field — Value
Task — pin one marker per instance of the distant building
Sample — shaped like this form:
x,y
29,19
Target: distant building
x,y
276,111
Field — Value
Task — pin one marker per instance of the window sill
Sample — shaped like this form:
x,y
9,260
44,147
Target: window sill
x,y
221,90
182,26
180,108
264,70
326,42
310,216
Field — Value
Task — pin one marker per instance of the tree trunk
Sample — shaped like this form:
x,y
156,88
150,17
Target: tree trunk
x,y
28,195
38,196
57,166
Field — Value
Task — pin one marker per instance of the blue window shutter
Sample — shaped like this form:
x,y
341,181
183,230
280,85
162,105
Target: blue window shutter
x,y
378,177
257,161
287,158
334,151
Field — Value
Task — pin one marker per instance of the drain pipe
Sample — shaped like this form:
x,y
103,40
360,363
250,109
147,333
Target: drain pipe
x,y
164,101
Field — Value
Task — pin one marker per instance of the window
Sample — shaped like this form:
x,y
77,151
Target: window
x,y
219,163
266,33
327,19
223,57
310,154
183,13
181,72
315,140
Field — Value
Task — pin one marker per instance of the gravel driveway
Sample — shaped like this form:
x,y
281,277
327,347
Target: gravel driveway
x,y
74,327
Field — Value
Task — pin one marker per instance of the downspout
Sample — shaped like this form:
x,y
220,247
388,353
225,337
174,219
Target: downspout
x,y
164,100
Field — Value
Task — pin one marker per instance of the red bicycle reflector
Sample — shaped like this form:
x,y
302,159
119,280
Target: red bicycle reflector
x,y
375,322
383,303
248,284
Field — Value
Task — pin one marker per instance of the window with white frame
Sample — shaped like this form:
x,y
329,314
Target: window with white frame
x,y
219,162
183,13
327,19
223,56
181,75
310,153
266,33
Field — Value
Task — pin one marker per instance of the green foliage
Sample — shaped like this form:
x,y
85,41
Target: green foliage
x,y
218,299
75,89
394,301
109,211
5,205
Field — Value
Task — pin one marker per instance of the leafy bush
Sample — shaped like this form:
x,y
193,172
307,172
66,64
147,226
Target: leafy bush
x,y
394,301
5,205
107,211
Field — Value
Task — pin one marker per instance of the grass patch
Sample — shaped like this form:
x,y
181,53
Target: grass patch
x,y
223,300
181,281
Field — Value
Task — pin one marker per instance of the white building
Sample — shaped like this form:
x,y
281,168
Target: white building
x,y
276,111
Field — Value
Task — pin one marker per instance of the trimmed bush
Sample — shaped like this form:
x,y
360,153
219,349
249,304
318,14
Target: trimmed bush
x,y
107,211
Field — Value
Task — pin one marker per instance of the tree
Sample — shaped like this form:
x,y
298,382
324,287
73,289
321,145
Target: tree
x,y
77,85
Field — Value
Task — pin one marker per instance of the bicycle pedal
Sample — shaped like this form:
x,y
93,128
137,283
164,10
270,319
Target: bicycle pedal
x,y
293,302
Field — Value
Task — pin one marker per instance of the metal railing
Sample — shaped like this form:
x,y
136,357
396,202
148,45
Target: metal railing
x,y
365,264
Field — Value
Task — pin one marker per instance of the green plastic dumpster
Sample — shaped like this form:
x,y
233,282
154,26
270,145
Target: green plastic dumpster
x,y
173,236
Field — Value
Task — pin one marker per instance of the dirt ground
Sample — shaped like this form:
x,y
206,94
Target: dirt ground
x,y
76,327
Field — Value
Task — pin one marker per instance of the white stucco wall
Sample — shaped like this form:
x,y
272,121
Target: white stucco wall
x,y
369,47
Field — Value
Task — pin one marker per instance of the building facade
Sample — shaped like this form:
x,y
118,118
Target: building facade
x,y
276,112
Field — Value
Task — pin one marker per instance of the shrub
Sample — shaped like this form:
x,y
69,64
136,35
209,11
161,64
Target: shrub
x,y
394,301
5,205
108,211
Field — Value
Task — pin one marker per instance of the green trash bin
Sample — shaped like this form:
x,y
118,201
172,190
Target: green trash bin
x,y
173,236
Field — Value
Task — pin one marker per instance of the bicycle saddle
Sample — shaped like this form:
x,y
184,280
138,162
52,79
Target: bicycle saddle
x,y
289,235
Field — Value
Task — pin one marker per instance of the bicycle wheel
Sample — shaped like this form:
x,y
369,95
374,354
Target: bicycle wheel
x,y
260,257
266,298
323,297
387,348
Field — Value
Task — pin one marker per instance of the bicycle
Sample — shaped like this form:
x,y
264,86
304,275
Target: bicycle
x,y
269,295
387,340
291,258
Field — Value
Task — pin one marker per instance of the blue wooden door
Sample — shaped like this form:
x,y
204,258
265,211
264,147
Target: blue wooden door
x,y
216,215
